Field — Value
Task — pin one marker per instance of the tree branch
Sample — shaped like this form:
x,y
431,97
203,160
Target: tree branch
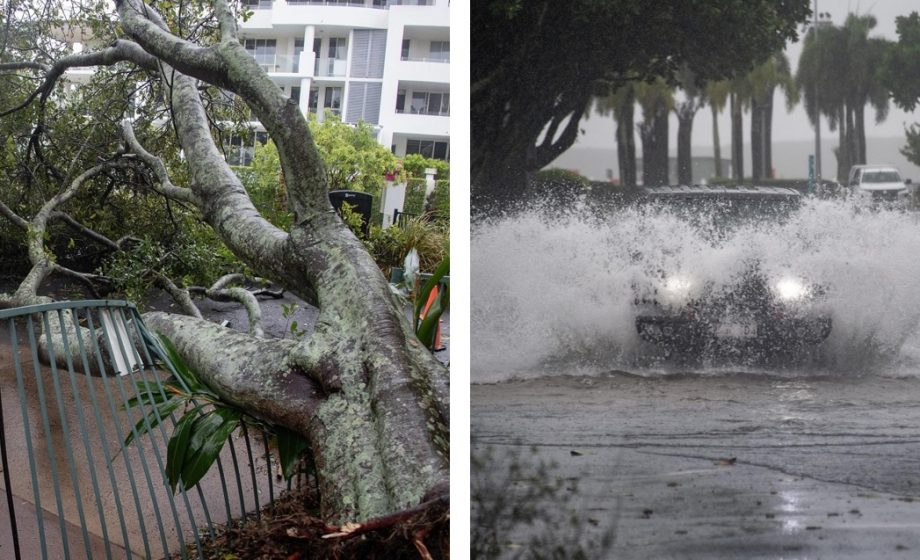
x,y
166,187
227,21
120,51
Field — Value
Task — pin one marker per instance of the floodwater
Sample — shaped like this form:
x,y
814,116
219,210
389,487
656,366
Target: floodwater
x,y
815,458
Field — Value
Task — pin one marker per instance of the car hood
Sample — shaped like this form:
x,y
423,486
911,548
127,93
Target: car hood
x,y
896,186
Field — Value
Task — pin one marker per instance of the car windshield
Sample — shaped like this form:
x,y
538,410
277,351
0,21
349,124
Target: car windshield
x,y
881,177
717,216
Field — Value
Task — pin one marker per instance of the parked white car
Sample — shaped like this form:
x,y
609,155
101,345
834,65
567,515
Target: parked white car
x,y
881,183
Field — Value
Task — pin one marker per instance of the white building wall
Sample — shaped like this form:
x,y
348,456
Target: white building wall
x,y
285,22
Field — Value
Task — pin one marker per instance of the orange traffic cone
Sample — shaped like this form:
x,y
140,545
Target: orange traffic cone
x,y
433,297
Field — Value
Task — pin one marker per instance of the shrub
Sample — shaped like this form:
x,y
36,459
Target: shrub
x,y
390,246
416,164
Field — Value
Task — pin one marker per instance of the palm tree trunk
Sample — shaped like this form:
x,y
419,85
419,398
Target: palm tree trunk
x,y
716,148
843,160
768,135
684,157
860,133
756,139
626,142
737,139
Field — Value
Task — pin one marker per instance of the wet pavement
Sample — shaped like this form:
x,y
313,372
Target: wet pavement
x,y
736,466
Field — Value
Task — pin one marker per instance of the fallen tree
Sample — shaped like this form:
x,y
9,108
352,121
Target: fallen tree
x,y
372,401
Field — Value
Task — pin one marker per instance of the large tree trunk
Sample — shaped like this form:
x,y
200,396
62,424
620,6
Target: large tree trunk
x,y
716,146
372,401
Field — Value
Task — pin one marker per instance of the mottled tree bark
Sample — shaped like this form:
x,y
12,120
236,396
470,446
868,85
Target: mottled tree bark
x,y
370,398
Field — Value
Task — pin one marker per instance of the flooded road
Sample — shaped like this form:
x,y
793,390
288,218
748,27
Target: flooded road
x,y
572,412
691,466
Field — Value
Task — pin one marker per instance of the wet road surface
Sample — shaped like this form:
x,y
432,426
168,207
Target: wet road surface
x,y
737,466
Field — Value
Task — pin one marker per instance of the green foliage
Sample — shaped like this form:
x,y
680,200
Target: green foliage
x,y
439,202
287,311
901,68
426,328
900,74
353,158
523,500
415,196
416,164
265,185
194,255
352,219
390,246
206,423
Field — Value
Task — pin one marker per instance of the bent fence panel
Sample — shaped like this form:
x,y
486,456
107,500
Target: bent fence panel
x,y
70,487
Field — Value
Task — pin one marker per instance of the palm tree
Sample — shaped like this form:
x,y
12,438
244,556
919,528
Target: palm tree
x,y
739,96
763,81
717,96
619,99
686,110
656,100
842,64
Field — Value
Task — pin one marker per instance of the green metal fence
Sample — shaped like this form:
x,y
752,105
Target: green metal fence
x,y
72,488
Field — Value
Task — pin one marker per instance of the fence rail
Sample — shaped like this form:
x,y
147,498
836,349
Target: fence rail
x,y
73,489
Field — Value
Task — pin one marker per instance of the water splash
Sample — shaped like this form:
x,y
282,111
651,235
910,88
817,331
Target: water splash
x,y
554,294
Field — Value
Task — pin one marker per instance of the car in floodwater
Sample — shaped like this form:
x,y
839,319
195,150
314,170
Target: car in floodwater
x,y
878,184
755,310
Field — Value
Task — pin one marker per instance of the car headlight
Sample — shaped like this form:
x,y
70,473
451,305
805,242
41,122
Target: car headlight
x,y
676,290
790,289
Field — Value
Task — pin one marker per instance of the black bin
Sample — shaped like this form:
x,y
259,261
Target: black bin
x,y
359,201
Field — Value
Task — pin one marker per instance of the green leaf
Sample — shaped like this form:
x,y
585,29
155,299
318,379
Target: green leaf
x,y
178,447
199,461
152,420
291,446
428,328
186,374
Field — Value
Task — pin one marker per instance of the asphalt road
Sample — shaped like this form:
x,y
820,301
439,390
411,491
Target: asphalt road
x,y
745,466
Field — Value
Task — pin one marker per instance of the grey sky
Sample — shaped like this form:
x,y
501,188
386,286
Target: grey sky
x,y
598,131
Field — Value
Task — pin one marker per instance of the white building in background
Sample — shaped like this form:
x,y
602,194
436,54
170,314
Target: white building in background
x,y
386,62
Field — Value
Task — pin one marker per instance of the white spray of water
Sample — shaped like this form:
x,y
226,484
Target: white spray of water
x,y
555,295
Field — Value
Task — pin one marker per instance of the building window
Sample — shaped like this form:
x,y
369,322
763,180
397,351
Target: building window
x,y
243,147
400,101
428,148
338,48
313,101
428,103
440,51
405,49
333,100
263,50
258,4
295,93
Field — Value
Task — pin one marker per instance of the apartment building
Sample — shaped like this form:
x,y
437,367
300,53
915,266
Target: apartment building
x,y
386,62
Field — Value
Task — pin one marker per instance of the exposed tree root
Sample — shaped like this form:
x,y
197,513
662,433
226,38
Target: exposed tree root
x,y
291,529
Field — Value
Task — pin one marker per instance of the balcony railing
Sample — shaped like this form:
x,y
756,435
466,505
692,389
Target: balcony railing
x,y
424,59
329,67
281,63
430,112
350,3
